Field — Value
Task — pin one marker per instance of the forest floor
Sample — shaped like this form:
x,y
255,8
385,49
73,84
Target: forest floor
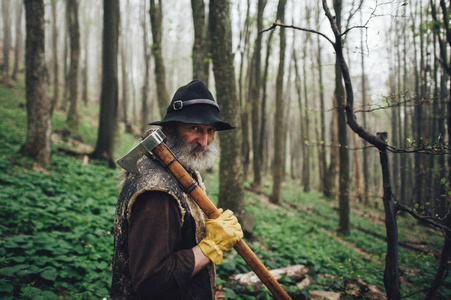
x,y
56,225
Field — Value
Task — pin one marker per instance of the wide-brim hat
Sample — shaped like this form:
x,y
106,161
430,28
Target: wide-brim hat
x,y
194,104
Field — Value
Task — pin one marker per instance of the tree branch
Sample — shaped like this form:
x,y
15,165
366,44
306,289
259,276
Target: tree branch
x,y
425,219
274,25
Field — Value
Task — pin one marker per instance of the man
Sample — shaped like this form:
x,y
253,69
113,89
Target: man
x,y
163,246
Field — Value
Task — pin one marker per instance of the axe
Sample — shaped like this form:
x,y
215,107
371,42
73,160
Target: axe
x,y
153,143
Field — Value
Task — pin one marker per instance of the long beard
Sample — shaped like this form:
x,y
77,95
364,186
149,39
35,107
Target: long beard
x,y
192,156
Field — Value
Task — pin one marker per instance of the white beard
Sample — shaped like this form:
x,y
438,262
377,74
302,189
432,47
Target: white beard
x,y
189,157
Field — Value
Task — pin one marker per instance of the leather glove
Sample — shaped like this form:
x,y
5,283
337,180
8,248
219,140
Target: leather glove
x,y
222,234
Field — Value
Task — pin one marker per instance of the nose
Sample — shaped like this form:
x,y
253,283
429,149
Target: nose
x,y
203,139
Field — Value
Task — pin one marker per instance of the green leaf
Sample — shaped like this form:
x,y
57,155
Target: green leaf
x,y
48,295
6,288
30,291
49,274
230,294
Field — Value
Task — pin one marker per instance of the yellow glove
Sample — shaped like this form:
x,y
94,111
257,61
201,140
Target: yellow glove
x,y
222,234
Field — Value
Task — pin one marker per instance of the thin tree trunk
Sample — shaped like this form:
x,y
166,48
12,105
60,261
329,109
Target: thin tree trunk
x,y
305,118
365,167
38,142
279,130
199,46
6,37
145,111
109,95
343,196
18,49
156,19
322,148
263,134
73,117
55,57
255,83
245,105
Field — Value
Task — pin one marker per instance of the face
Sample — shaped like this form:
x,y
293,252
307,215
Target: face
x,y
193,145
200,135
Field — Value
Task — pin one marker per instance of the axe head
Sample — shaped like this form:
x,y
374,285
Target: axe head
x,y
129,161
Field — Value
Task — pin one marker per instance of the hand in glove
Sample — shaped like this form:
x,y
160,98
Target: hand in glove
x,y
222,234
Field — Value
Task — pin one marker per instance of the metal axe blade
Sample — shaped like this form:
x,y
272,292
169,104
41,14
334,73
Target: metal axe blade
x,y
129,161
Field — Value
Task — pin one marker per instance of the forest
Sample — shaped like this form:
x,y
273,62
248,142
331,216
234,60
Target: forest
x,y
339,163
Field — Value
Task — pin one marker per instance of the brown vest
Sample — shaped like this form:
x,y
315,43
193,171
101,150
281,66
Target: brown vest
x,y
154,177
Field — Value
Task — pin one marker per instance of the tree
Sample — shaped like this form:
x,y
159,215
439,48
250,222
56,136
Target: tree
x,y
38,141
109,95
254,96
156,19
73,117
230,170
6,36
146,78
18,49
279,130
200,49
55,56
343,195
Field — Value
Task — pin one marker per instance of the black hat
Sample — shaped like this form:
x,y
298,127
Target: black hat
x,y
194,104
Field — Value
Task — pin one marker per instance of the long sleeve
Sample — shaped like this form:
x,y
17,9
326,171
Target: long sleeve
x,y
159,268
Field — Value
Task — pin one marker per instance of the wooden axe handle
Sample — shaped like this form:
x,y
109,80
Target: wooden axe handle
x,y
188,183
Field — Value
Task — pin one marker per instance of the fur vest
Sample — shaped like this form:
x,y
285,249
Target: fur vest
x,y
154,177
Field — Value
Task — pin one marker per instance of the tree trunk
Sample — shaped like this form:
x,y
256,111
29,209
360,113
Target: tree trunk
x,y
279,130
85,72
263,134
124,64
305,118
6,37
230,171
55,56
244,103
156,19
145,111
199,46
109,94
343,195
322,148
365,167
18,49
73,117
254,96
38,141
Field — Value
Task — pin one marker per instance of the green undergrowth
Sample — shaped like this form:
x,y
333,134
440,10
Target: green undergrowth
x,y
56,225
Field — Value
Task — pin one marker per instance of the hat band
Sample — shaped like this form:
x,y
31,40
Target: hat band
x,y
179,104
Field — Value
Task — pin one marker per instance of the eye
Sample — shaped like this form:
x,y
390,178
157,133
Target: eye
x,y
211,130
195,128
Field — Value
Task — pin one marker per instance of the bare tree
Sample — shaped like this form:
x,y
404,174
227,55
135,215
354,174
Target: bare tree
x,y
73,117
146,78
200,49
109,96
255,85
279,130
156,19
6,15
38,142
18,48
55,56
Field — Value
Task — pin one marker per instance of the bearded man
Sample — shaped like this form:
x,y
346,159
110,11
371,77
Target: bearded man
x,y
163,246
